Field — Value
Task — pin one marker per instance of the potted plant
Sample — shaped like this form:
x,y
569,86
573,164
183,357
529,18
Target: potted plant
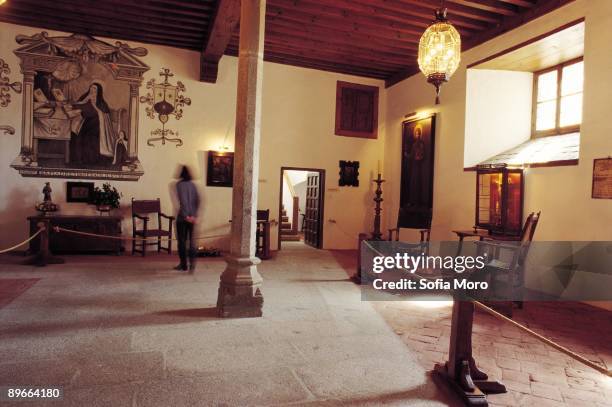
x,y
106,198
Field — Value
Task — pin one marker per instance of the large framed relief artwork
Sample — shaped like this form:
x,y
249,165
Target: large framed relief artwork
x,y
80,108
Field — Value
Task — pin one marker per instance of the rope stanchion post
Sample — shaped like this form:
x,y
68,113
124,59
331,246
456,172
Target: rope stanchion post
x,y
44,256
460,371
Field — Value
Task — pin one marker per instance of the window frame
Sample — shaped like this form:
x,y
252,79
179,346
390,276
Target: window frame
x,y
557,130
374,92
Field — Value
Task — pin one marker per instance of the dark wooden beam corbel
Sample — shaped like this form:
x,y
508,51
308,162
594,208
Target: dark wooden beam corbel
x,y
226,18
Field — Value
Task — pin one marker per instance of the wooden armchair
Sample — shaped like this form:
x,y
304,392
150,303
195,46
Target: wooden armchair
x,y
140,215
507,274
425,234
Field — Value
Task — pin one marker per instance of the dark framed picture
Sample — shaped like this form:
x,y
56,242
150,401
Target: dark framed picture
x,y
220,171
349,174
79,191
416,190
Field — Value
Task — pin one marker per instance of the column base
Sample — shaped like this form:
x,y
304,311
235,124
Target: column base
x,y
240,289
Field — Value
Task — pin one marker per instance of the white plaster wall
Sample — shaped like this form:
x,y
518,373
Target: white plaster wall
x,y
297,130
563,194
498,112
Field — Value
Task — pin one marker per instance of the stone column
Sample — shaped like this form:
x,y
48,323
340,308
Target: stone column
x,y
240,286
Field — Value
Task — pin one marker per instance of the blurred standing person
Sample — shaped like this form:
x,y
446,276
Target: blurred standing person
x,y
189,204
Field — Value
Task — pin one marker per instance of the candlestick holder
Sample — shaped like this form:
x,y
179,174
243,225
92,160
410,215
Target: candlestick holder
x,y
376,234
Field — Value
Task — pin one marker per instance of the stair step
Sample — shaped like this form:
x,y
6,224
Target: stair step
x,y
288,232
285,219
290,238
285,225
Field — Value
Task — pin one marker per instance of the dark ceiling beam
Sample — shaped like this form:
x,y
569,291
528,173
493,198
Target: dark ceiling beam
x,y
507,24
510,23
521,3
493,6
352,58
83,21
333,35
383,33
397,11
225,21
69,27
102,8
298,37
453,10
341,17
202,12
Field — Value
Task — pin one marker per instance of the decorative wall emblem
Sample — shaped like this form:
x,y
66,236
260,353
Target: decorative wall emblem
x,y
165,99
349,174
5,95
80,107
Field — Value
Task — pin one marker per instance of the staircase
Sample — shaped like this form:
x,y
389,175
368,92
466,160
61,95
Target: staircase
x,y
288,231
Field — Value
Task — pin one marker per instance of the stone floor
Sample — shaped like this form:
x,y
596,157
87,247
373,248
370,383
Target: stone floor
x,y
123,331
535,374
119,331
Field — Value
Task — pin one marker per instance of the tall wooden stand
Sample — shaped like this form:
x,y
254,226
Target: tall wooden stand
x,y
460,371
376,234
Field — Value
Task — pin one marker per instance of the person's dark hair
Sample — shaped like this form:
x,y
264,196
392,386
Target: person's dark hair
x,y
185,174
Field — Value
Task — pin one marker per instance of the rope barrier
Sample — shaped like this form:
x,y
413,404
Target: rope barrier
x,y
547,341
40,230
139,239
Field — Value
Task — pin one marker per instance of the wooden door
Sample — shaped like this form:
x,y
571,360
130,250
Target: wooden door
x,y
312,218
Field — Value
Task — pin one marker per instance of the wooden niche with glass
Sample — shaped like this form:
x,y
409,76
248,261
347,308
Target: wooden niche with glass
x,y
499,199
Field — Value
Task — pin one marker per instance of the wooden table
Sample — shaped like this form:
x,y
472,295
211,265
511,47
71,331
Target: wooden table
x,y
65,242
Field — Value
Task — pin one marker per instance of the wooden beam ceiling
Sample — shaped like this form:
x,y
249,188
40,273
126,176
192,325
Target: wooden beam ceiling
x,y
371,38
224,23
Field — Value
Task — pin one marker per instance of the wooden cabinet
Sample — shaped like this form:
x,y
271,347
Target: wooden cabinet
x,y
499,200
69,243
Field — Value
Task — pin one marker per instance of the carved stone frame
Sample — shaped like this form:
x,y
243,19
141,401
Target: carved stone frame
x,y
32,62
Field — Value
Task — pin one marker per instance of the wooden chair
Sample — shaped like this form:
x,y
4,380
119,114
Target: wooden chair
x,y
506,276
140,211
262,234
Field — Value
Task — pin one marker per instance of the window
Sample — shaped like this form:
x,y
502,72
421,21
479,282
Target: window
x,y
356,110
558,99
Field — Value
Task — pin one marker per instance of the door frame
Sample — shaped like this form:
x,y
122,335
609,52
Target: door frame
x,y
321,198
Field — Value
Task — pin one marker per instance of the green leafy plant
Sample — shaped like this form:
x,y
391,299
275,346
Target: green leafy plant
x,y
107,195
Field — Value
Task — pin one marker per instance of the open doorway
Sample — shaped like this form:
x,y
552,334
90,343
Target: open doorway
x,y
302,192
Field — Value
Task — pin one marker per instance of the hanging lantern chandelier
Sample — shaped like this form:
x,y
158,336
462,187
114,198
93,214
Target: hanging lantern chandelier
x,y
439,51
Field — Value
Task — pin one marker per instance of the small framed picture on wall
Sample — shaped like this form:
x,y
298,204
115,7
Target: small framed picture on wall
x,y
220,169
349,174
79,192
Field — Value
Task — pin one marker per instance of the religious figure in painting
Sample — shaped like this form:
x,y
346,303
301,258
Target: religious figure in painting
x,y
94,142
